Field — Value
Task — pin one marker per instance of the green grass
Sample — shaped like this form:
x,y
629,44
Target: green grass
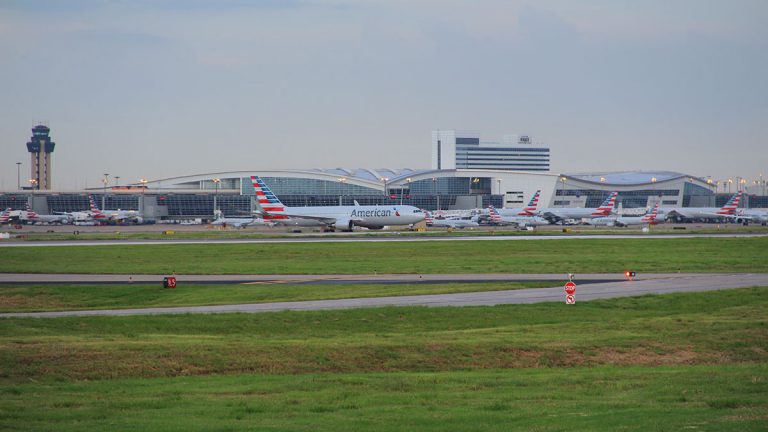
x,y
713,327
25,298
671,362
672,398
523,256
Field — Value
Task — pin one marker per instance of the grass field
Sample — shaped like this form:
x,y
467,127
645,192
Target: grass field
x,y
668,362
18,298
523,256
669,398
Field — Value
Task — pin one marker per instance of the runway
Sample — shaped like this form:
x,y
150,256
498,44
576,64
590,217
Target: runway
x,y
321,238
603,289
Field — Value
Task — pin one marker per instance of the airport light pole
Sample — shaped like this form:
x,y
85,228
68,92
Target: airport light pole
x,y
342,180
18,175
730,180
402,192
434,191
216,182
562,191
386,192
143,182
105,180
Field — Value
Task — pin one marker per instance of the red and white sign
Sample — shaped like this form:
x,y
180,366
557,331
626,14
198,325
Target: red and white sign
x,y
569,299
570,288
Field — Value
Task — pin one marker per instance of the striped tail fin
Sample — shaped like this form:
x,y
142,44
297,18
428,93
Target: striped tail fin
x,y
495,216
5,216
95,212
651,217
730,207
30,213
606,207
267,201
428,219
530,210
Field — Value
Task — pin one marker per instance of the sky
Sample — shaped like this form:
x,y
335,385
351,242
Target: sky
x,y
156,89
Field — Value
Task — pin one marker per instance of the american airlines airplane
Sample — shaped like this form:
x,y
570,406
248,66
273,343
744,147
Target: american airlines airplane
x,y
5,216
728,211
332,217
557,214
752,215
521,221
238,222
528,210
30,215
650,218
453,222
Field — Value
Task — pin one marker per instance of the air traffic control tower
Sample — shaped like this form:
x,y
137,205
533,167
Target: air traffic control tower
x,y
40,148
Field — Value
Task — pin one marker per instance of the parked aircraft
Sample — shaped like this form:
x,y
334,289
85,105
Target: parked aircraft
x,y
90,215
5,216
728,211
529,210
752,215
332,217
238,222
30,215
115,215
520,221
559,214
451,222
650,218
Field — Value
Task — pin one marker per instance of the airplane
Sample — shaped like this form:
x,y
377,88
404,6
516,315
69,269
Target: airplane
x,y
559,214
114,215
238,222
90,215
727,211
332,217
453,222
521,221
30,215
650,218
529,210
5,217
752,215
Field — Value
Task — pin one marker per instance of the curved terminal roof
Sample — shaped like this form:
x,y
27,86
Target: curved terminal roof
x,y
629,178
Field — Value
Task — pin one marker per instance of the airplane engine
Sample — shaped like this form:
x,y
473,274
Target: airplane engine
x,y
139,220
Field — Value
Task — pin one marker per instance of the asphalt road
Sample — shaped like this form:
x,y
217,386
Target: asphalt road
x,y
351,238
649,284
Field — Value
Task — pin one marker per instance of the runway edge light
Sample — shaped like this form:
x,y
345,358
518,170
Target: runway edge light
x,y
630,274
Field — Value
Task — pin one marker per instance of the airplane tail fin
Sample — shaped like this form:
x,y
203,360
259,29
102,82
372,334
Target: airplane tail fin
x,y
606,207
267,201
94,209
730,207
651,216
495,216
5,215
428,219
30,213
530,210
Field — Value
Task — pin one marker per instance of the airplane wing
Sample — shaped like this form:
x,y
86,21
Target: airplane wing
x,y
552,216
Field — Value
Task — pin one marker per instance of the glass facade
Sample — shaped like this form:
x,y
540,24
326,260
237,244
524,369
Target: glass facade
x,y
628,199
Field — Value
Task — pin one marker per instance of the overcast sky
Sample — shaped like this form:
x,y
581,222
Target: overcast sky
x,y
154,89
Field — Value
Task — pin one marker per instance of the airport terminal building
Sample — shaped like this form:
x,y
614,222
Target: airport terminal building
x,y
466,173
196,196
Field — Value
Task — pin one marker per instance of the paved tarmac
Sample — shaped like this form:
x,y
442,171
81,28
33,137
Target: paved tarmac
x,y
351,239
649,284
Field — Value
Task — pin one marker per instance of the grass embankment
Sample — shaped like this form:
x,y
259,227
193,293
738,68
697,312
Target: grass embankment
x,y
26,298
714,327
647,363
700,398
514,256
